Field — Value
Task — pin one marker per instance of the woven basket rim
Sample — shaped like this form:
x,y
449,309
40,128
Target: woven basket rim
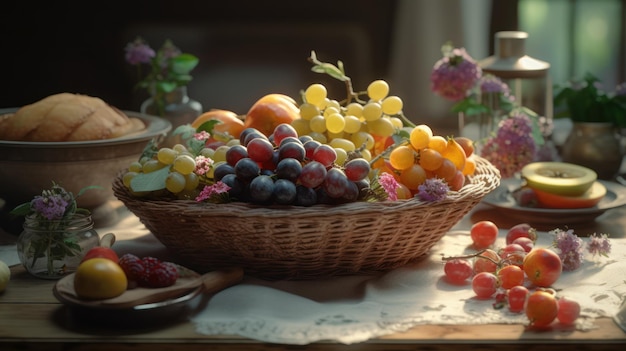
x,y
485,180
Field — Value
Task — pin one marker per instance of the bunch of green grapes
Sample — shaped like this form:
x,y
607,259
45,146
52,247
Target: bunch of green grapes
x,y
180,163
354,125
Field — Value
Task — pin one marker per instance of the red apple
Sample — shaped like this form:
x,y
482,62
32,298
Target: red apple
x,y
104,250
542,267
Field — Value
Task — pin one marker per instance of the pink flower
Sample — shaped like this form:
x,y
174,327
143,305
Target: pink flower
x,y
454,75
388,182
203,165
202,135
599,245
139,52
213,192
570,248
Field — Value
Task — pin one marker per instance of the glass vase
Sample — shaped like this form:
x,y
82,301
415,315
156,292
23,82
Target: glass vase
x,y
176,106
51,249
480,126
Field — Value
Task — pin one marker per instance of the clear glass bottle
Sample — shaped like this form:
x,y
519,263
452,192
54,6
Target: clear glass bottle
x,y
51,249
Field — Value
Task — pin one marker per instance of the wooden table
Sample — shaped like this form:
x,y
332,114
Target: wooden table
x,y
32,319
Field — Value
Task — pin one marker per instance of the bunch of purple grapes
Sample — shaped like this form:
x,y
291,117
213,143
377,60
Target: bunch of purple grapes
x,y
287,169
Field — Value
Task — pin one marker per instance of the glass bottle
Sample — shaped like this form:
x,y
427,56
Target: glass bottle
x,y
176,106
51,249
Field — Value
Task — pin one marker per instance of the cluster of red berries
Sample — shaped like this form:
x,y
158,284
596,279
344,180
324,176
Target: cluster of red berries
x,y
148,271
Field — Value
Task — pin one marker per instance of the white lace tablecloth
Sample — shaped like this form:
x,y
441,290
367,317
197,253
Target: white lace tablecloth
x,y
356,308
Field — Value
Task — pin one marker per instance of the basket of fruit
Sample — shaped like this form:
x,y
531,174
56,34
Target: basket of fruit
x,y
294,201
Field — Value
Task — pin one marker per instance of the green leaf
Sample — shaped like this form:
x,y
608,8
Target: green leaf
x,y
208,126
150,181
21,210
184,63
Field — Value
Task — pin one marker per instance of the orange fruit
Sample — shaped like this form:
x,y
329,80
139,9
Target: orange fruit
x,y
541,308
270,111
99,278
230,123
455,153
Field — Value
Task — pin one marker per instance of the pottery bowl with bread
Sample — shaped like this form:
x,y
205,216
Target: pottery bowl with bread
x,y
74,140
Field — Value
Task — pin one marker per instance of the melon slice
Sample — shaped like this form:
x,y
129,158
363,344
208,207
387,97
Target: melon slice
x,y
589,198
559,178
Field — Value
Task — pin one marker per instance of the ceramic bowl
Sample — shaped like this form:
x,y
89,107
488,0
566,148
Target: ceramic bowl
x,y
26,168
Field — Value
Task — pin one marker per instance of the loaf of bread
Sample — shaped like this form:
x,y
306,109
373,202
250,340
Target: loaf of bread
x,y
67,117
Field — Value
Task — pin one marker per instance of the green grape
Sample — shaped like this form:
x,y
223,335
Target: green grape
x,y
180,148
392,105
334,104
316,94
363,138
396,122
211,171
191,181
207,152
353,124
301,126
372,111
330,110
233,141
166,155
342,156
184,164
318,124
332,136
220,153
136,167
354,109
342,143
321,137
127,177
152,165
308,111
335,123
381,127
175,182
378,90
366,154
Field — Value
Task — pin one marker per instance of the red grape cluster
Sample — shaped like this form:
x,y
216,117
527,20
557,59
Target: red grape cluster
x,y
287,169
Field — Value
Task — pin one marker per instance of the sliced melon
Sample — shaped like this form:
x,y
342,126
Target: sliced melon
x,y
559,178
590,198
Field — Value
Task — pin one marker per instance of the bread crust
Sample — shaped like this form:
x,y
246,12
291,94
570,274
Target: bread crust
x,y
67,117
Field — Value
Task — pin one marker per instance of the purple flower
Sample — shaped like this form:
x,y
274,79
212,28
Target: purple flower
x,y
433,189
455,74
513,146
570,248
599,245
139,52
51,207
492,84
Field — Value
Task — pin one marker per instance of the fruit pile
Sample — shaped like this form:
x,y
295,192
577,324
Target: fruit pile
x,y
518,276
103,275
560,185
320,151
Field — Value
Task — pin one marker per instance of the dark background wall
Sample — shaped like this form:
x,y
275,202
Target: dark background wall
x,y
246,48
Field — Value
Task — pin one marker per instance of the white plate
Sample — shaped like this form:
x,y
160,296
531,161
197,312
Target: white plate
x,y
502,199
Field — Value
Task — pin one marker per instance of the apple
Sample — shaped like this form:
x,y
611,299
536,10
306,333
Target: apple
x,y
102,251
99,278
542,267
270,111
559,178
589,198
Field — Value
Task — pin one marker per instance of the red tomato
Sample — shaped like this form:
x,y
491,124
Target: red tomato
x,y
510,276
524,230
569,310
542,267
516,297
486,261
484,234
484,285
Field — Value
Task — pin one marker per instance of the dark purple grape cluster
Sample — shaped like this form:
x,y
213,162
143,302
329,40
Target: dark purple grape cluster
x,y
287,169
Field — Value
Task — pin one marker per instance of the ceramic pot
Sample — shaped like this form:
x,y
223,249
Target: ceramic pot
x,y
594,145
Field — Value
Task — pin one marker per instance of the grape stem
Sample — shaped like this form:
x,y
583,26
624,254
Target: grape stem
x,y
444,258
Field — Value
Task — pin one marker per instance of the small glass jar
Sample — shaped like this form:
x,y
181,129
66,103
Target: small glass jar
x,y
51,249
176,106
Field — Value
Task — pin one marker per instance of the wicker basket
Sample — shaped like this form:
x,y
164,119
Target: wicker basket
x,y
292,242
